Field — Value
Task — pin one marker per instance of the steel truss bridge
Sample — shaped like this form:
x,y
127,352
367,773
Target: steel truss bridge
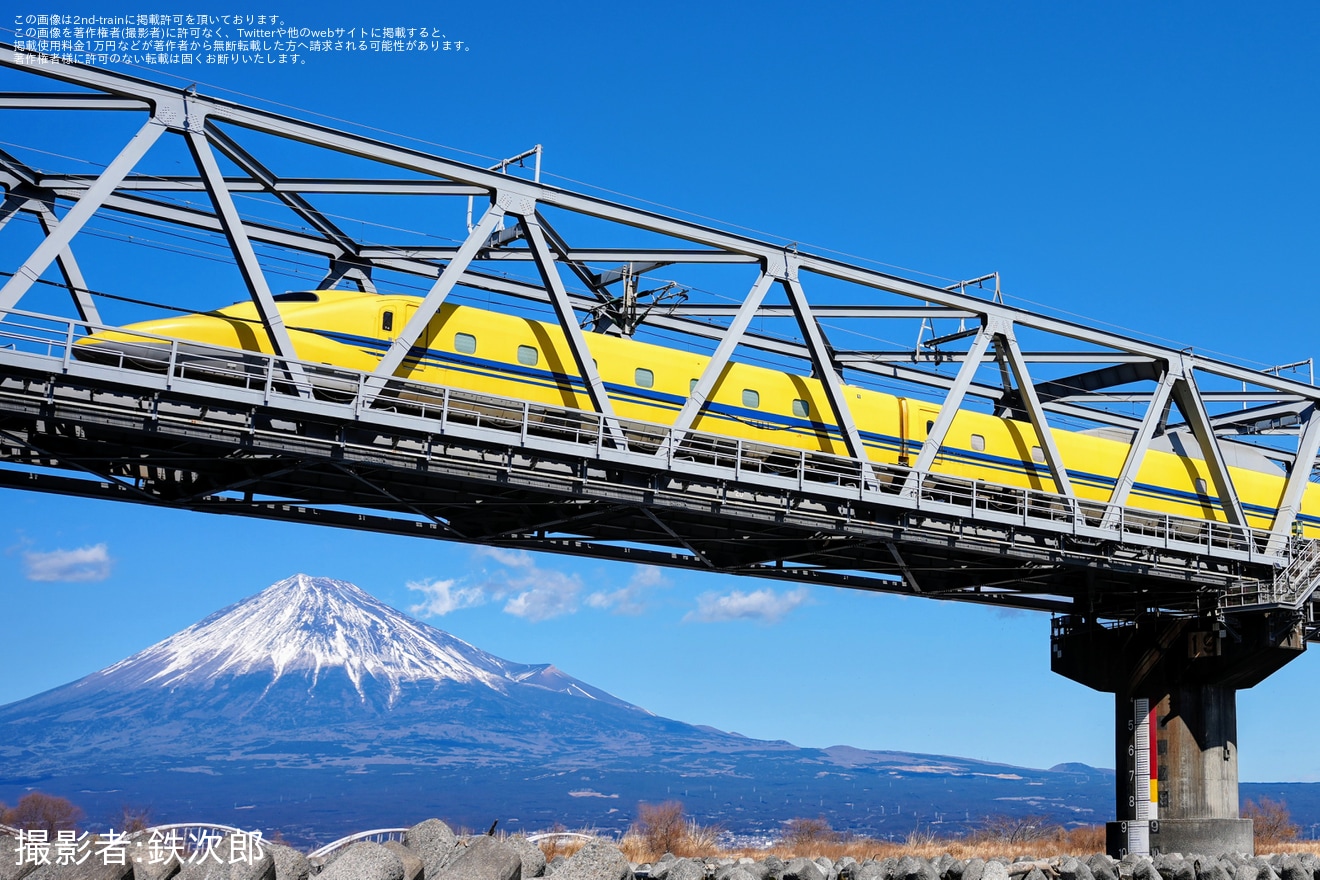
x,y
277,438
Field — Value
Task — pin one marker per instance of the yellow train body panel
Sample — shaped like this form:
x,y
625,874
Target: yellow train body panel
x,y
506,356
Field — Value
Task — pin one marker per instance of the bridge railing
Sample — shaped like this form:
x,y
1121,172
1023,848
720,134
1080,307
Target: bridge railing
x,y
376,835
442,408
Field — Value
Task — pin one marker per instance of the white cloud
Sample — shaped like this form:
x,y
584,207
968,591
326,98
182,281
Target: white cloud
x,y
548,594
84,564
631,597
764,605
508,558
444,596
532,592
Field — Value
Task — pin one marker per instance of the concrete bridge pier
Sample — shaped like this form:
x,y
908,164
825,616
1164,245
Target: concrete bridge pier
x,y
1175,682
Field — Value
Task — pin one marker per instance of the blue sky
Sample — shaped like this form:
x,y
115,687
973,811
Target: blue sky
x,y
1147,166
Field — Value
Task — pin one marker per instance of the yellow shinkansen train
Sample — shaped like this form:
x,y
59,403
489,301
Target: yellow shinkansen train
x,y
506,356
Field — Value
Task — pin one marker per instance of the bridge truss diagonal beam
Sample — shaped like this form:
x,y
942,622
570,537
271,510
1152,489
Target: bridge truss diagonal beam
x,y
957,391
1154,419
82,211
26,197
1298,478
295,202
1193,409
435,297
729,340
563,306
823,366
249,266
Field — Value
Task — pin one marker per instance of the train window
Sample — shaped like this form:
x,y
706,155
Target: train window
x,y
929,425
387,321
527,355
692,385
801,409
465,343
1037,455
297,296
751,398
644,378
1201,487
978,443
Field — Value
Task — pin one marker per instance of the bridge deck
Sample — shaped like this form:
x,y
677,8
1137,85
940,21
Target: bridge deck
x,y
450,464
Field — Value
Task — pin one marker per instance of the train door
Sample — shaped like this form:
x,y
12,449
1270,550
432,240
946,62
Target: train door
x,y
392,320
904,445
921,426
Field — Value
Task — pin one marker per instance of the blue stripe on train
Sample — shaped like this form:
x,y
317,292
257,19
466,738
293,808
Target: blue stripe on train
x,y
419,355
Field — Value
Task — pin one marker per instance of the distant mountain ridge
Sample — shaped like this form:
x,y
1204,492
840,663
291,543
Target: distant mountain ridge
x,y
315,709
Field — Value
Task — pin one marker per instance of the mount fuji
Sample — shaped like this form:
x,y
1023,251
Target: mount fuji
x,y
314,672
315,709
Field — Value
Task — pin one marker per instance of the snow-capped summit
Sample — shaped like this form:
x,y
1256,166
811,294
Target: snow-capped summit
x,y
314,627
305,625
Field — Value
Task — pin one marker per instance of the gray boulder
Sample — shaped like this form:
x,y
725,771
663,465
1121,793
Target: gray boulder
x,y
1291,868
738,872
1074,869
1172,867
412,863
163,869
661,867
434,842
233,858
913,868
484,858
869,870
1211,869
950,868
530,855
735,871
598,860
1102,867
995,870
289,863
9,867
803,869
92,868
684,866
364,861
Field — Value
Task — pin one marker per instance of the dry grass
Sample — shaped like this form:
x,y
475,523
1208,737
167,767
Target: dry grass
x,y
698,840
812,840
923,844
